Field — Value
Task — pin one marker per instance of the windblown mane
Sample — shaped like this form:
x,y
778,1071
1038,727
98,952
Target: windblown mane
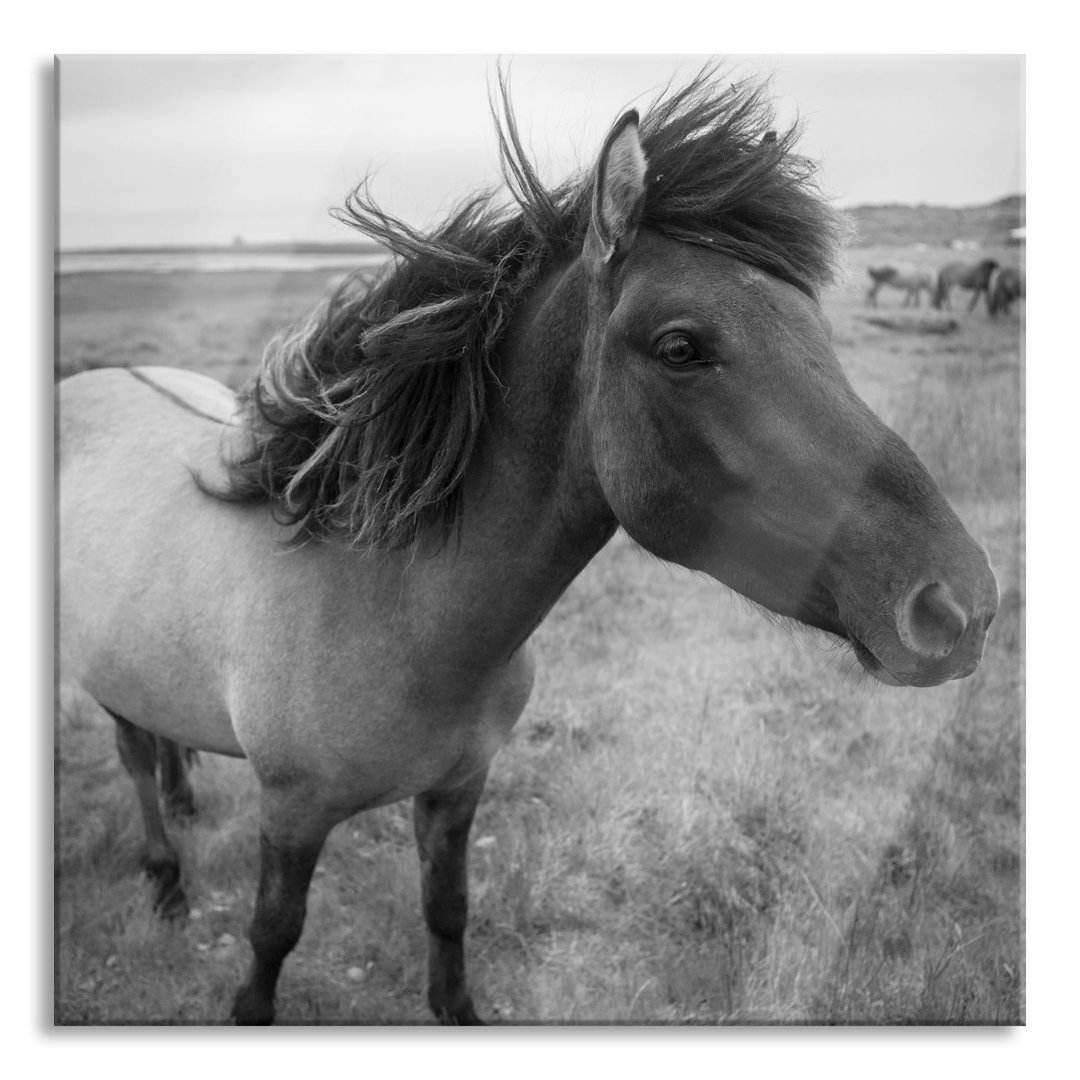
x,y
363,419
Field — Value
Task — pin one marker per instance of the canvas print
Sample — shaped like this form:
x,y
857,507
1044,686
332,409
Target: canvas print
x,y
540,540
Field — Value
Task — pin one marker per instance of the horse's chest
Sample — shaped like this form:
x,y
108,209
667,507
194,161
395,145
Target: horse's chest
x,y
387,741
462,732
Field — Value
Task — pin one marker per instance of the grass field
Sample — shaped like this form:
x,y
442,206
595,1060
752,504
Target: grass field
x,y
701,818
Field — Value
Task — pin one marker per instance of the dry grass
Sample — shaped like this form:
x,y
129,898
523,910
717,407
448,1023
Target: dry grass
x,y
701,817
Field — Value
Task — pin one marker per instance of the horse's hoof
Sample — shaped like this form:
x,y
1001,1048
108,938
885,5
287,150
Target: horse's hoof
x,y
171,904
169,899
463,1015
251,1009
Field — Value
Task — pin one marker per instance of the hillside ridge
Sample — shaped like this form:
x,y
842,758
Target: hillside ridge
x,y
938,226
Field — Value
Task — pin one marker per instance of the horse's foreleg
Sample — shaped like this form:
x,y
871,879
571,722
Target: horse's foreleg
x,y
290,839
442,820
175,786
138,752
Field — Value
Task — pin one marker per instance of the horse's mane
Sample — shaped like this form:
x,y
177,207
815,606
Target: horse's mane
x,y
362,420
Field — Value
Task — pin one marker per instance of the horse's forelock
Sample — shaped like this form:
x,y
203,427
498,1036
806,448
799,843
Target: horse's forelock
x,y
722,176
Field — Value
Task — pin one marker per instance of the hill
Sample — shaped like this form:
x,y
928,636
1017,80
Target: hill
x,y
938,226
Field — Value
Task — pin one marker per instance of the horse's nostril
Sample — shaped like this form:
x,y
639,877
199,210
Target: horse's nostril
x,y
935,622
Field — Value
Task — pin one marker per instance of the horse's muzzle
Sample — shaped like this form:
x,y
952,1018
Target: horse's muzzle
x,y
938,634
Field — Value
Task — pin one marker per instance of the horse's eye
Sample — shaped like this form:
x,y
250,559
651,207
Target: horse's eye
x,y
677,350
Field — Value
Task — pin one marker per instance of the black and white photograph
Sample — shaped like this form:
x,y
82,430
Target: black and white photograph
x,y
540,540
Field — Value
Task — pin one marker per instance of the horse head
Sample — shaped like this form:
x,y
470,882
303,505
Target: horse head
x,y
725,436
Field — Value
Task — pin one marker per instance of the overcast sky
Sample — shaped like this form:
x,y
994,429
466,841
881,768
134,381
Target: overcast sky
x,y
168,150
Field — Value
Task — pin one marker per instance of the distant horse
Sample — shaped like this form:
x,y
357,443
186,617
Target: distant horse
x,y
974,276
1010,285
336,574
911,279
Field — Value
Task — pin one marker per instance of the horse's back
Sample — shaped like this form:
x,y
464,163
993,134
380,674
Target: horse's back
x,y
137,432
94,404
969,275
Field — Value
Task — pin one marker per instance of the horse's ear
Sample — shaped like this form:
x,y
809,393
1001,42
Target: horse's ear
x,y
619,193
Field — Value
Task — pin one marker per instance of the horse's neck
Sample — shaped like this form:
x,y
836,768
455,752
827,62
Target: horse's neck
x,y
534,514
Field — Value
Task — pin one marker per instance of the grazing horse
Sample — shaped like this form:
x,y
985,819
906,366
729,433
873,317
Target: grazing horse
x,y
1010,284
974,276
912,279
336,574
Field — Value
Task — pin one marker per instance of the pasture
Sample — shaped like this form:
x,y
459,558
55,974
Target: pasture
x,y
703,816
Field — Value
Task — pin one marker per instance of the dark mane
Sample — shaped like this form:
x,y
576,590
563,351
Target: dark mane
x,y
363,419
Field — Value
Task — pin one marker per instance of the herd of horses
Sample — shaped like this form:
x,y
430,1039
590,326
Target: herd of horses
x,y
1001,286
336,574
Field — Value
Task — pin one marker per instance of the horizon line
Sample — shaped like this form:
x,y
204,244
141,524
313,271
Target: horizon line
x,y
372,245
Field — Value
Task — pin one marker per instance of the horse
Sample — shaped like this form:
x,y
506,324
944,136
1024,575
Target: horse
x,y
1010,284
974,276
336,573
912,279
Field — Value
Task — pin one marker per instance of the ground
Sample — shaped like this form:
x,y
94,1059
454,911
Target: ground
x,y
702,817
